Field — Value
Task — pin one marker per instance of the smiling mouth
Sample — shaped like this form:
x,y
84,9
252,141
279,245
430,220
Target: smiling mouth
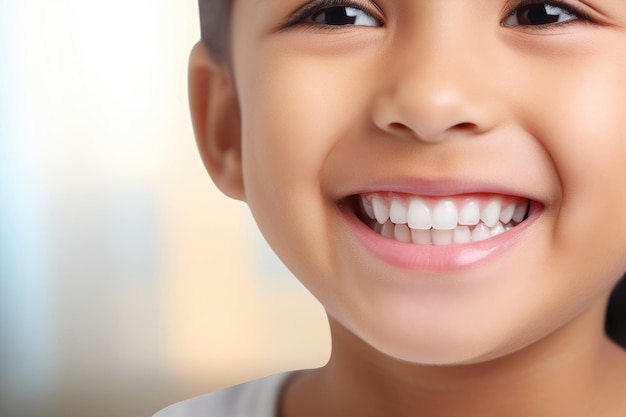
x,y
440,221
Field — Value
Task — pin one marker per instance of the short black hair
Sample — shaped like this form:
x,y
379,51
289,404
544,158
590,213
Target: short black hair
x,y
615,324
215,26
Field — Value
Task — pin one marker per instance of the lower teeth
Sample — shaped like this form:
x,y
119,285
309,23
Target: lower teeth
x,y
461,234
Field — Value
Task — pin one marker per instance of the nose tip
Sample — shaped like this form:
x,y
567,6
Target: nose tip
x,y
430,115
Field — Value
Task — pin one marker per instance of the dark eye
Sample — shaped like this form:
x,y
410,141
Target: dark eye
x,y
344,16
539,14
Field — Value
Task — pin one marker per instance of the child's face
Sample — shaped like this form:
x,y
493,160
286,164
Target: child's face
x,y
456,102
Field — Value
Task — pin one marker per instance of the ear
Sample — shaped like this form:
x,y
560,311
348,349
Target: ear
x,y
216,120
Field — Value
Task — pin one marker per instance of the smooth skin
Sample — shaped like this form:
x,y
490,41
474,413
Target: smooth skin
x,y
449,96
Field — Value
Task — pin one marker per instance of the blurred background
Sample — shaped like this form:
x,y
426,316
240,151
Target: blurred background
x,y
127,281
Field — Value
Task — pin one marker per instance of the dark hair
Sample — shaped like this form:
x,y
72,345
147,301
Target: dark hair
x,y
615,324
215,22
214,26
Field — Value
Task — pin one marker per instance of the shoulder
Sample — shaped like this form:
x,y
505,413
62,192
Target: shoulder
x,y
256,398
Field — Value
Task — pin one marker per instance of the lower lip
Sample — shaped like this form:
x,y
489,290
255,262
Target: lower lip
x,y
438,258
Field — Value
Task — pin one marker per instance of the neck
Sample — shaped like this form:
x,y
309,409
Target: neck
x,y
567,373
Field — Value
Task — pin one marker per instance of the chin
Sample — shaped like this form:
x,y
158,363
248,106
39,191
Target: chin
x,y
444,351
445,343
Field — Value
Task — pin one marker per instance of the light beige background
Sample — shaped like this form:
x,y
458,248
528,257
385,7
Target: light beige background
x,y
127,281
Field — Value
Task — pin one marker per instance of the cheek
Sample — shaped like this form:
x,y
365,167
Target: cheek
x,y
294,113
583,127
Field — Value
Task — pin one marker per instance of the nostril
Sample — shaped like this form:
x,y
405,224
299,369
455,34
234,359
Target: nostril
x,y
400,128
464,126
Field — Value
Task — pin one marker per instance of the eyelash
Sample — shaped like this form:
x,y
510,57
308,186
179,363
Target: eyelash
x,y
313,7
580,15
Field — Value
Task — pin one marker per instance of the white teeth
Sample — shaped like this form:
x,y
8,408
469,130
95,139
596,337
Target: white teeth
x,y
421,237
507,214
491,213
412,220
441,237
419,215
445,216
367,208
480,232
497,229
520,212
402,233
388,230
398,212
470,213
381,210
462,234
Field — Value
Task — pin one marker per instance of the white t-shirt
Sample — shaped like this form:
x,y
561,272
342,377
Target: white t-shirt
x,y
258,398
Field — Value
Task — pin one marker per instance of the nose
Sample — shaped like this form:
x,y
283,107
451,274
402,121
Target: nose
x,y
436,87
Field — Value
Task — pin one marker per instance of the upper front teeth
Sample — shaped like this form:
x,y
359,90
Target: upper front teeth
x,y
445,213
444,216
418,215
470,213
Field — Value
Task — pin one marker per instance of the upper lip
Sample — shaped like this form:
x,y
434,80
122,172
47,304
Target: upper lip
x,y
440,188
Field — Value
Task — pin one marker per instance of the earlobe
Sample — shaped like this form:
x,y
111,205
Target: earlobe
x,y
216,120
